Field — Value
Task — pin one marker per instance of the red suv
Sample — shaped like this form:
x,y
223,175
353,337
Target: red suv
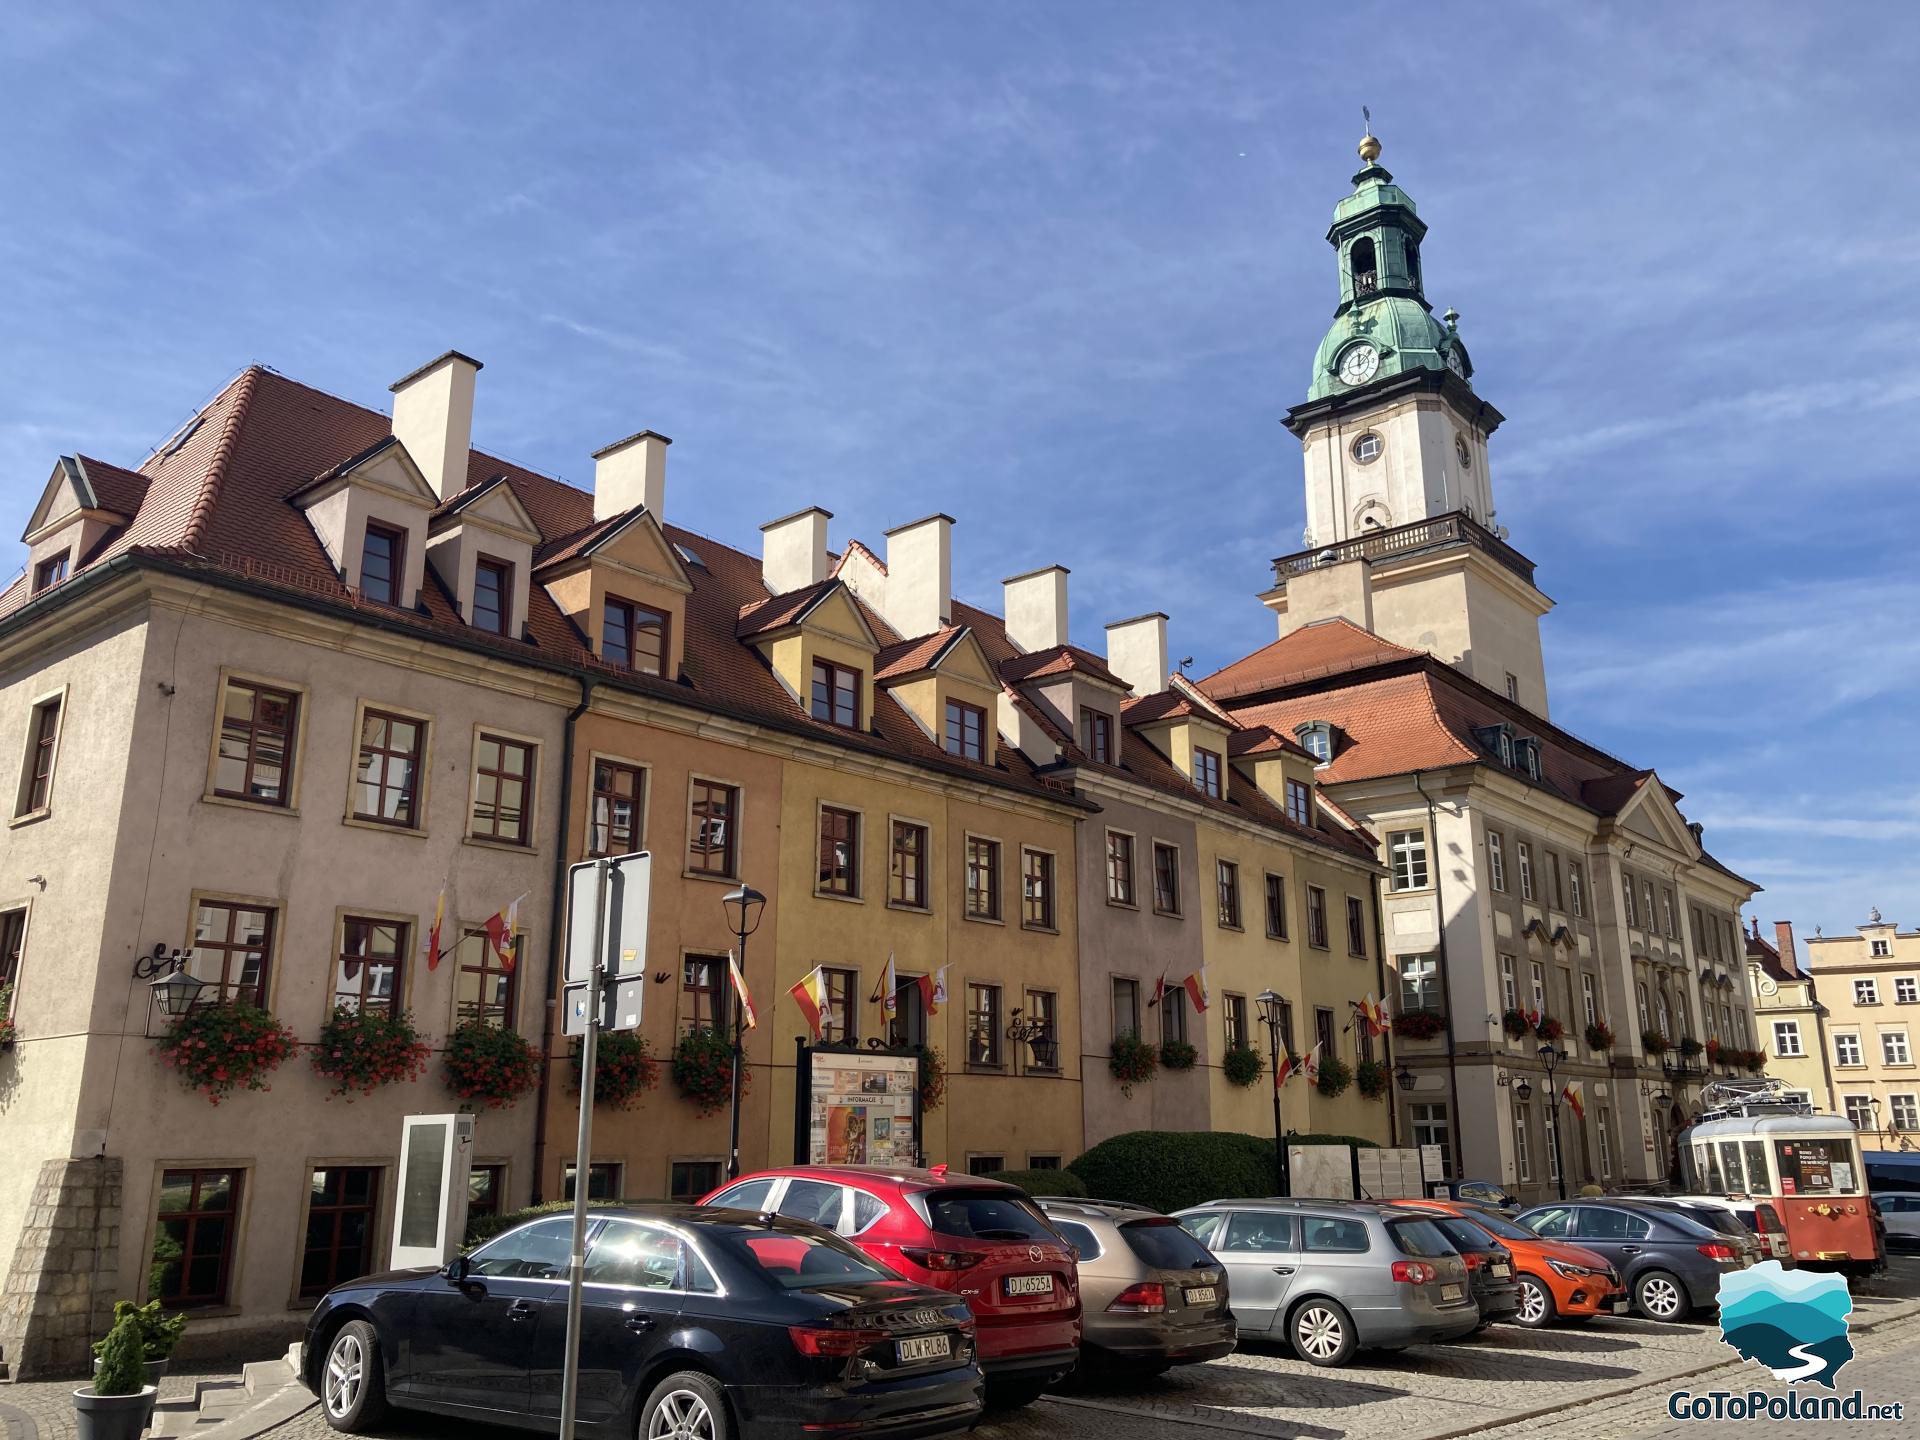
x,y
981,1239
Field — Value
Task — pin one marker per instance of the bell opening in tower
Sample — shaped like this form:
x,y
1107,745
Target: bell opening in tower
x,y
1366,269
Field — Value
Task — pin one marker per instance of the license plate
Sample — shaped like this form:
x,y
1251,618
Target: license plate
x,y
924,1347
1029,1284
1622,1306
1204,1295
1502,1269
1449,1292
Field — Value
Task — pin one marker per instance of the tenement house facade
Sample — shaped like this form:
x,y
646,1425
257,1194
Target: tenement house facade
x,y
1539,891
1869,983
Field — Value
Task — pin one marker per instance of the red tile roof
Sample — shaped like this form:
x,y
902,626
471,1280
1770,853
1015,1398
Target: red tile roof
x,y
1161,705
778,611
120,491
911,657
1326,647
1059,660
563,548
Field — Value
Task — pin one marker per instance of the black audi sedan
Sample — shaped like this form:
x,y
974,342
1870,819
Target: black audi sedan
x,y
697,1324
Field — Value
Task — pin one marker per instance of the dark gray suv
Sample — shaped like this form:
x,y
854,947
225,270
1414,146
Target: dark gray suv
x,y
1332,1276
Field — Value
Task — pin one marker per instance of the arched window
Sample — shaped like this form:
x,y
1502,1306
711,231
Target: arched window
x,y
1413,264
1366,269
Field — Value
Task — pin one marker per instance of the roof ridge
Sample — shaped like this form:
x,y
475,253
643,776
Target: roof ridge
x,y
216,471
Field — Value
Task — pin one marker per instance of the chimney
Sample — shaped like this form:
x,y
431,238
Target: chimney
x,y
1036,606
1783,942
793,550
433,418
631,472
920,576
1137,652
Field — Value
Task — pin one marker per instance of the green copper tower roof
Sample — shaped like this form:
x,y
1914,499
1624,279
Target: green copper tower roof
x,y
1383,326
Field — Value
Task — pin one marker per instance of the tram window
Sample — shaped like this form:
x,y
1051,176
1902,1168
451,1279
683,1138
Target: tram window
x,y
1712,1176
1757,1180
1730,1156
1815,1167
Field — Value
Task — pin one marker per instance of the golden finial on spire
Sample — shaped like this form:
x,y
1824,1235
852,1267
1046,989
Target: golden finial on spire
x,y
1369,145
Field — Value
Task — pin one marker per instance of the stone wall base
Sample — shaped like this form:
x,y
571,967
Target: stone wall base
x,y
60,1285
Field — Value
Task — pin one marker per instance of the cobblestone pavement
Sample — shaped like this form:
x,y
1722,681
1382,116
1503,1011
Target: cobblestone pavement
x,y
1608,1378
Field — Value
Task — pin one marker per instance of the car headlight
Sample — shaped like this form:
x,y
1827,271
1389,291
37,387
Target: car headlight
x,y
1568,1270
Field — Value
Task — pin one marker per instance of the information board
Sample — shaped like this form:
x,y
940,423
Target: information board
x,y
862,1109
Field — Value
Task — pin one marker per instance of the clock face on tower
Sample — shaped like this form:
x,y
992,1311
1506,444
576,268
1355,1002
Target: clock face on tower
x,y
1456,364
1358,364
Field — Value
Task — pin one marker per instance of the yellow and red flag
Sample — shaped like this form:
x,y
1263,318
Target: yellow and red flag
x,y
501,928
748,1015
1196,985
811,995
433,934
1576,1098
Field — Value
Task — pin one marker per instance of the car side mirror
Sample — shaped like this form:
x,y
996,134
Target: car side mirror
x,y
455,1270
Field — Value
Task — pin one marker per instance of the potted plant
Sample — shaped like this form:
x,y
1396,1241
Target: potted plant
x,y
1713,1052
1242,1065
159,1333
1548,1028
491,1064
116,1405
1600,1035
1689,1047
1756,1060
220,1048
1178,1055
623,1068
1514,1022
1335,1076
9,1032
1373,1077
1653,1042
1418,1024
933,1077
361,1049
1132,1060
703,1069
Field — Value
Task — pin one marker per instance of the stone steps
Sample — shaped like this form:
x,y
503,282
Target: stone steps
x,y
265,1393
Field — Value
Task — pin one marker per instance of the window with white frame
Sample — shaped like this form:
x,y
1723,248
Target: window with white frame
x,y
1906,990
1522,1160
1879,947
1666,913
1904,1111
1602,1126
1538,975
1553,1150
1430,1128
1509,984
1574,892
1524,853
1786,1038
1496,861
1860,1112
1407,850
1626,895
1589,1001
1646,1017
1866,992
1419,983
1893,1048
1846,1050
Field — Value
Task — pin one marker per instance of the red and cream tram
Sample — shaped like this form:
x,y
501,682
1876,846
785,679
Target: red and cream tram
x,y
1755,1138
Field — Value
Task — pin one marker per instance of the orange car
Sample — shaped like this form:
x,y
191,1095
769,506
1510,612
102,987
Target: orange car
x,y
1558,1281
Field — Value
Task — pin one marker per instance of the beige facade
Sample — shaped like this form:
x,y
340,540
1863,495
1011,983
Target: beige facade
x,y
1789,1017
1869,989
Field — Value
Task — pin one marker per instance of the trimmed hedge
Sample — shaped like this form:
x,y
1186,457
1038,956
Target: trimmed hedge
x,y
1063,1183
1173,1170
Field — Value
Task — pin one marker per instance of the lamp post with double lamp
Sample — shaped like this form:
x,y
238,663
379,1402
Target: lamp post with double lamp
x,y
1272,1011
743,914
1550,1059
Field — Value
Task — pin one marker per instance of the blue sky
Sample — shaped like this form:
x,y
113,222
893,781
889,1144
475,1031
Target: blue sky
x,y
1058,270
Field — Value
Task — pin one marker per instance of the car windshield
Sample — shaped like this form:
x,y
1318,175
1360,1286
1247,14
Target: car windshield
x,y
985,1215
795,1261
1503,1228
1164,1245
1419,1237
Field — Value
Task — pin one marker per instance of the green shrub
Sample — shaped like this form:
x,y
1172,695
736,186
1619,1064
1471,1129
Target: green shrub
x,y
1242,1065
483,1228
1178,1055
122,1371
1171,1170
1335,1076
1044,1182
159,1332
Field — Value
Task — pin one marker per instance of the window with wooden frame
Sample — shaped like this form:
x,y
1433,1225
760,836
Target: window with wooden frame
x,y
1166,879
13,940
1300,803
1363,1038
1036,885
232,951
194,1237
634,636
704,994
603,1179
1173,1015
1206,772
688,1180
711,845
1356,926
619,797
983,1025
1276,907
51,571
1096,734
839,853
1234,1015
907,866
342,1205
909,1023
486,1190
966,730
492,595
502,790
258,732
484,986
383,563
1316,917
841,1024
1119,868
1126,1007
1323,1032
1226,876
368,970
386,787
983,878
836,695
1043,1011
43,745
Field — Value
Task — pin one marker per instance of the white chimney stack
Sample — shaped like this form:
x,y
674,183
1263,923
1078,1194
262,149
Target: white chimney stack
x,y
631,472
433,418
920,576
1137,652
1036,606
793,550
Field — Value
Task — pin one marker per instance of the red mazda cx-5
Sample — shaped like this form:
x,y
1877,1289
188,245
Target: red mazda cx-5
x,y
982,1239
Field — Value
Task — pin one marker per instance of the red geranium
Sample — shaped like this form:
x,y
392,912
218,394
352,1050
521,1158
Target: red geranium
x,y
218,1048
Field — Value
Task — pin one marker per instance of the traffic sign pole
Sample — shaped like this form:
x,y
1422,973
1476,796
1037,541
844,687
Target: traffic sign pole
x,y
582,1152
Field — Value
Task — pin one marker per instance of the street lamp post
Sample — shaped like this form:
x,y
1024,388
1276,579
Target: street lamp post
x,y
1272,1009
743,914
1551,1058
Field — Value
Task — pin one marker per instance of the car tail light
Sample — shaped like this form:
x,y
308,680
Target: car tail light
x,y
821,1340
1414,1272
1715,1250
1147,1298
941,1259
1474,1259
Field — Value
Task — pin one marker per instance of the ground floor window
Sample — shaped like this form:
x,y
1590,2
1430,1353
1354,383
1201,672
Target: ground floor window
x,y
194,1239
342,1204
1430,1128
1522,1159
1043,1162
603,1180
985,1164
486,1189
688,1180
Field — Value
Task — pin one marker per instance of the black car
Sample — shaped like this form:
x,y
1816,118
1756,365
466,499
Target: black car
x,y
698,1324
1490,1275
1474,1192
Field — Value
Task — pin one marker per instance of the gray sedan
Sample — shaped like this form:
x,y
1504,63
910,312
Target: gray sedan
x,y
1671,1265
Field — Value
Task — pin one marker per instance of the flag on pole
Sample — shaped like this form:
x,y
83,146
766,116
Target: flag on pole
x,y
433,935
933,991
1196,985
748,1015
1374,1015
1576,1098
812,996
890,1005
501,928
1285,1070
1310,1067
1160,989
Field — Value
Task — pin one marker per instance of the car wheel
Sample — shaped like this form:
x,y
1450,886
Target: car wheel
x,y
353,1387
686,1406
1013,1394
1537,1310
1659,1296
1322,1333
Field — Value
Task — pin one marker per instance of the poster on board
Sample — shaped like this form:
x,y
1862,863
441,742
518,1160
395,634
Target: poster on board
x,y
863,1109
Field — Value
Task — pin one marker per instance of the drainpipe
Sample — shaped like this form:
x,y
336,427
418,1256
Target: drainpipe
x,y
555,923
1446,980
1386,1038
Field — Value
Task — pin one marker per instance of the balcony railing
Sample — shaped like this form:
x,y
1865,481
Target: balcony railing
x,y
1455,528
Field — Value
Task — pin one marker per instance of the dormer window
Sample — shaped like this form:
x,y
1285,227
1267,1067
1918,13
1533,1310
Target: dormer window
x,y
1316,738
1300,802
836,695
1498,739
966,730
1206,771
634,636
1096,734
1529,756
383,561
492,595
51,571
